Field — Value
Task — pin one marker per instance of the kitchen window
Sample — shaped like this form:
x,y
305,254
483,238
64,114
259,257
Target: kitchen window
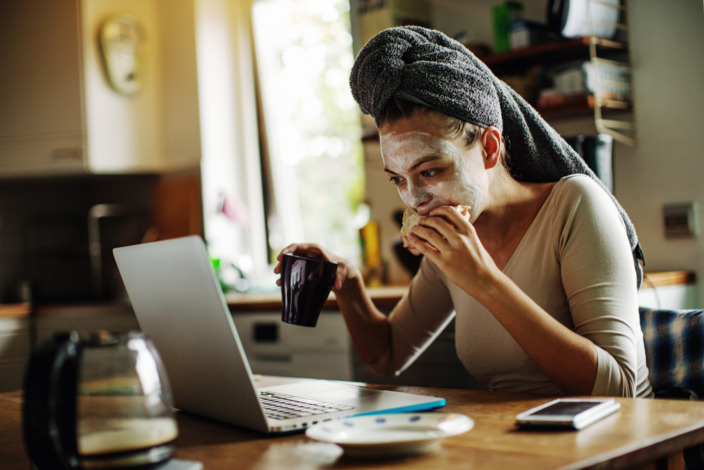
x,y
282,155
313,160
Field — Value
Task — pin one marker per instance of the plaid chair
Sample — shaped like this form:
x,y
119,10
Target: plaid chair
x,y
674,349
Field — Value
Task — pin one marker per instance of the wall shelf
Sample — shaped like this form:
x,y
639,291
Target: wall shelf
x,y
580,105
550,53
612,114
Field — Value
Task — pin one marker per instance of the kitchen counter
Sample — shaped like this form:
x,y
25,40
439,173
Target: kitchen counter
x,y
668,278
386,297
17,310
383,297
674,290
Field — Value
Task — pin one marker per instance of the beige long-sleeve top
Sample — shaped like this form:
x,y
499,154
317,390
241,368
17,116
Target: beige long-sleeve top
x,y
575,261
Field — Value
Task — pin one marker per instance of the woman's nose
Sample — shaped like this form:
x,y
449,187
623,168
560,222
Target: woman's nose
x,y
418,197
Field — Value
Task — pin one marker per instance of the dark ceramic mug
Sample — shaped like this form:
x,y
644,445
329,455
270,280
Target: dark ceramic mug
x,y
305,286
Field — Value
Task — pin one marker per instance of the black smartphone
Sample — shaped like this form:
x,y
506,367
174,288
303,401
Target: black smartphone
x,y
572,413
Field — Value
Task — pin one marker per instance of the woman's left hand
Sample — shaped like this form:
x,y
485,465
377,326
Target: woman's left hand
x,y
450,241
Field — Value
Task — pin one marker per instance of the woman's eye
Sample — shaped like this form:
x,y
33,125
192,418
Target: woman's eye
x,y
395,180
429,173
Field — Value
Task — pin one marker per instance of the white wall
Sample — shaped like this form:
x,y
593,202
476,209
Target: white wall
x,y
230,163
667,165
667,55
666,41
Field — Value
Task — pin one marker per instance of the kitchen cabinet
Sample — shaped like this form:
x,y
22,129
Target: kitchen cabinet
x,y
60,114
369,17
674,290
326,351
277,348
14,344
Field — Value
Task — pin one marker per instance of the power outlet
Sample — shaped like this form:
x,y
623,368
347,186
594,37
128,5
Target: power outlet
x,y
680,220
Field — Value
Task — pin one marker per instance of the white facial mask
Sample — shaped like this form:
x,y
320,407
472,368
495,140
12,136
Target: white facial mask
x,y
400,151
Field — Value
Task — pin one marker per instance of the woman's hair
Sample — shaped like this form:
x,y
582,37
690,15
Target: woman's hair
x,y
398,109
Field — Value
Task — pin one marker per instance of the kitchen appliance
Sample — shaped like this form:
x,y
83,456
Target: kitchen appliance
x,y
577,18
97,401
69,255
109,226
597,152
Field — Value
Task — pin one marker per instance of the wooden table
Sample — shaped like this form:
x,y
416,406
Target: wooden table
x,y
642,432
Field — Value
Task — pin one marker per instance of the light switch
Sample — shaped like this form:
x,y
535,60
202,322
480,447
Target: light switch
x,y
680,220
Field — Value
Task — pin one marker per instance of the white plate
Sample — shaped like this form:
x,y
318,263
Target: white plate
x,y
390,434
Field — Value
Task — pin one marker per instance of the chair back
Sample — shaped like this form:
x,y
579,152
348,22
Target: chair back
x,y
674,348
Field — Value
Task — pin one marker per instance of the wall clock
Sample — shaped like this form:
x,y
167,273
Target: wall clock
x,y
122,42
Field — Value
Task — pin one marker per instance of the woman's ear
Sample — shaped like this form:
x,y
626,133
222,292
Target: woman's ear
x,y
491,142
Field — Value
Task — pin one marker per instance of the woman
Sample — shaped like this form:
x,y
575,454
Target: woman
x,y
539,275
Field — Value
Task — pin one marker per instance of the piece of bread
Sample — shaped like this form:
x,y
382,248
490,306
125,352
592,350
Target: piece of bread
x,y
411,219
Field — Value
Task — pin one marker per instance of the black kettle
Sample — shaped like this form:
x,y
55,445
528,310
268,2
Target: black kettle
x,y
97,401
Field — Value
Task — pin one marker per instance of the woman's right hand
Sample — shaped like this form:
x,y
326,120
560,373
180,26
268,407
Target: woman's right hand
x,y
345,269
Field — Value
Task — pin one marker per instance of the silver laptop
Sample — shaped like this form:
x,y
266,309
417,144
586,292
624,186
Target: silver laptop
x,y
177,300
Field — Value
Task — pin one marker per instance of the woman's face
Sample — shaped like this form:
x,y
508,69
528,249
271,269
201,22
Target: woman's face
x,y
430,169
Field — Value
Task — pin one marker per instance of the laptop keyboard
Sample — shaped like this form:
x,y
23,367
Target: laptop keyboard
x,y
281,406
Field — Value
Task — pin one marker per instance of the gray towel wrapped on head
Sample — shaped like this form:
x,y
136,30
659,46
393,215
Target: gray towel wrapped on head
x,y
427,67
